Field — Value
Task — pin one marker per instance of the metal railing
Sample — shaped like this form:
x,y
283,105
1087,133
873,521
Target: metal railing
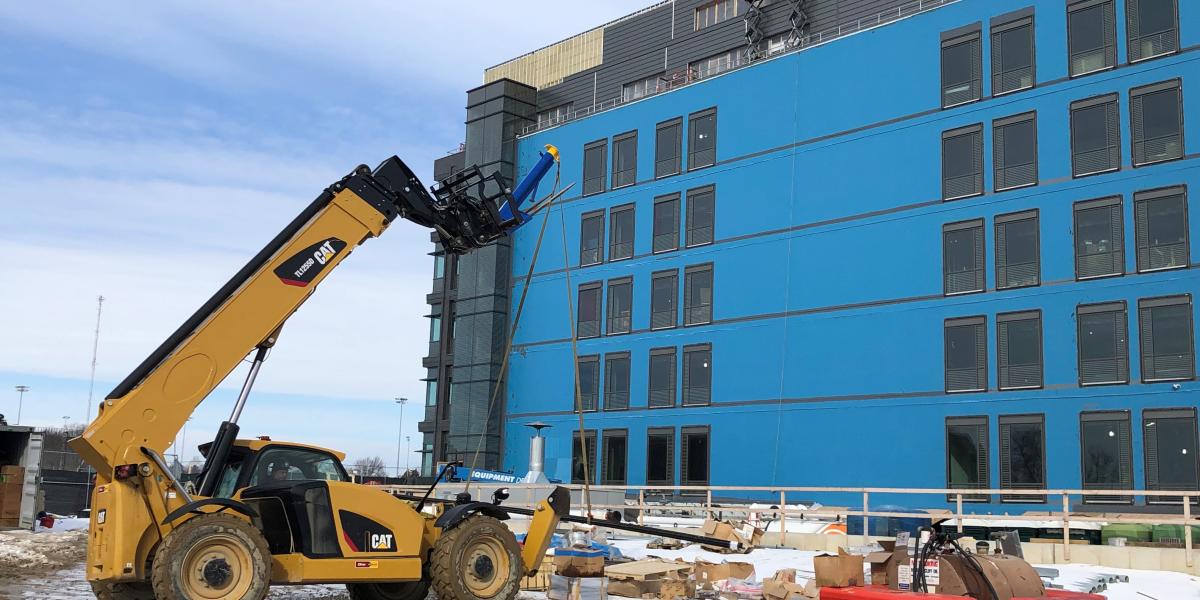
x,y
690,75
699,499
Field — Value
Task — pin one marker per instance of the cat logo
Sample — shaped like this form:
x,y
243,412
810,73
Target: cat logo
x,y
304,266
381,541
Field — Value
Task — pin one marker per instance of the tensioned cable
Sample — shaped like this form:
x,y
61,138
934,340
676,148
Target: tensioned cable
x,y
583,449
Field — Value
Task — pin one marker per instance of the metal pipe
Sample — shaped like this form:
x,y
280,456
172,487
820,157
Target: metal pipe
x,y
259,357
162,466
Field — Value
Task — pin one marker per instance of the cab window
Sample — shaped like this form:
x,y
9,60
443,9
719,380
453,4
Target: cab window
x,y
295,464
227,484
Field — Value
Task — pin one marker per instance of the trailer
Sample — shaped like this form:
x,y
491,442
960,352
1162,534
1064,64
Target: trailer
x,y
20,455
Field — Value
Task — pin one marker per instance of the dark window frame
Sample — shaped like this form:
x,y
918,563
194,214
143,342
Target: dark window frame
x,y
613,213
673,381
1001,25
654,236
1131,40
603,175
686,382
692,194
1135,95
980,323
1110,34
980,259
654,277
1145,304
605,436
583,219
1145,197
1001,233
983,449
997,151
1008,317
1122,365
597,286
949,39
1110,99
609,393
595,383
611,327
1107,202
617,139
978,186
661,432
1154,483
677,167
588,445
692,152
684,432
1022,419
688,308
1126,467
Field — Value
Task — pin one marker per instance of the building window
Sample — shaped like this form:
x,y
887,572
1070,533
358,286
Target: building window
x,y
1019,350
715,12
666,223
697,375
779,43
439,266
589,310
1103,343
1153,27
1023,456
961,68
582,470
1160,219
1095,136
1099,238
963,257
591,238
698,295
616,454
620,305
1106,454
431,393
1013,63
595,155
694,455
966,354
664,293
702,139
624,167
1092,36
668,140
962,162
1157,123
660,456
967,457
589,383
616,381
1166,339
1017,250
435,329
1014,150
620,238
700,216
662,378
715,65
554,116
1170,452
641,88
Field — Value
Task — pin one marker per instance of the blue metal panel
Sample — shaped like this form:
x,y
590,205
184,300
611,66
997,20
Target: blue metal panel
x,y
828,308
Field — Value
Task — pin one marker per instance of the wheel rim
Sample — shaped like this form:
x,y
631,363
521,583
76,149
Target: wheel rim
x,y
218,566
485,567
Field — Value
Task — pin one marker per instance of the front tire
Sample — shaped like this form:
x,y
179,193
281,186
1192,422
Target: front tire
x,y
408,590
477,560
122,591
211,557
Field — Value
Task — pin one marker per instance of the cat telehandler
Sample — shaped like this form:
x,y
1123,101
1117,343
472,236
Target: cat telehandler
x,y
269,512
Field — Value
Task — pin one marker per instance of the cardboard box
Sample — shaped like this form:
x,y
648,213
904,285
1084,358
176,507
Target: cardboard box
x,y
577,588
579,562
745,535
883,563
677,588
783,586
843,570
706,572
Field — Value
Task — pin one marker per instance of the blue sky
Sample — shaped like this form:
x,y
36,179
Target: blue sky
x,y
147,149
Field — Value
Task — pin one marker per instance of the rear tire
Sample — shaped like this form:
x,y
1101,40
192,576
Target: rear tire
x,y
211,557
477,560
408,590
122,591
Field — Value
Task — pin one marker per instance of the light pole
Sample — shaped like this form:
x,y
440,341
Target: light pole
x,y
400,433
21,389
407,452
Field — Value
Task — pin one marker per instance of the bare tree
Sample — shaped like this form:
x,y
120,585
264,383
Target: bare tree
x,y
370,467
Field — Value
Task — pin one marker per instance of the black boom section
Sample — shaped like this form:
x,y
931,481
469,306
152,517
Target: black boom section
x,y
308,511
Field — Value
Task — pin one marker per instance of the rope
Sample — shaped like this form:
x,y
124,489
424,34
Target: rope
x,y
587,478
512,332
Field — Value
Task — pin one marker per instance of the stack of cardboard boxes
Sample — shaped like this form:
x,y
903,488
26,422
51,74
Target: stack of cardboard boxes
x,y
12,484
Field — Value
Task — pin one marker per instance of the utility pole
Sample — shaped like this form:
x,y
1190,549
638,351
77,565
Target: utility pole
x,y
21,389
87,410
400,433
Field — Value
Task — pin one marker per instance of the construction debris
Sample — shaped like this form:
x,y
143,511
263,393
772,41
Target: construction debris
x,y
745,535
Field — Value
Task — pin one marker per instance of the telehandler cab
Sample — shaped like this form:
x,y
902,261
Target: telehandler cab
x,y
270,512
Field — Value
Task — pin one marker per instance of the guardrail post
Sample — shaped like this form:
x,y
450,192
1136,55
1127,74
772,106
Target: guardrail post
x,y
641,507
708,506
782,518
1066,527
866,520
958,509
1187,529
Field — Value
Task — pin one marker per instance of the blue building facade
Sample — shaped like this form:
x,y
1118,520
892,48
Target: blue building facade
x,y
948,251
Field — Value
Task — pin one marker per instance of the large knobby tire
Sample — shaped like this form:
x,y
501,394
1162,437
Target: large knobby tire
x,y
211,557
477,560
122,591
408,590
